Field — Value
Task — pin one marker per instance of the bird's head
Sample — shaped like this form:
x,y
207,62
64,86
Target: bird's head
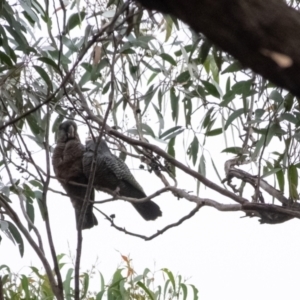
x,y
67,131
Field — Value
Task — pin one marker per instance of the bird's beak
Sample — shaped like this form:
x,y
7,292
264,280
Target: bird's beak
x,y
71,132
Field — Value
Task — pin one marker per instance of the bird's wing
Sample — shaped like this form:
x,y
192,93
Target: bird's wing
x,y
112,173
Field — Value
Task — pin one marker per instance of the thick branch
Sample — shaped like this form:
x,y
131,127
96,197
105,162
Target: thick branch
x,y
260,34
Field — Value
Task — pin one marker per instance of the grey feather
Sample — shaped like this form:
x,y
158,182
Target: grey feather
x,y
113,174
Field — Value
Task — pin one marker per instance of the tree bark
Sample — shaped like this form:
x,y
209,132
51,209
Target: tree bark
x,y
260,34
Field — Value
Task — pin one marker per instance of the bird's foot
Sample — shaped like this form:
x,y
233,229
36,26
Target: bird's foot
x,y
116,192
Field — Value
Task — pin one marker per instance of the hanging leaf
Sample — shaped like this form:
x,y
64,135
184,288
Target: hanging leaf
x,y
171,133
193,150
293,182
211,89
204,50
174,104
234,150
148,96
75,20
44,76
187,111
234,67
233,116
168,58
16,236
214,132
146,290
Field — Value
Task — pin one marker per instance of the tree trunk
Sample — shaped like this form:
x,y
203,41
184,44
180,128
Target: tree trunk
x,y
262,35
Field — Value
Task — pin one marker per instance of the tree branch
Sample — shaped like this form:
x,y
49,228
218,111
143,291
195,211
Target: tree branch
x,y
159,232
246,29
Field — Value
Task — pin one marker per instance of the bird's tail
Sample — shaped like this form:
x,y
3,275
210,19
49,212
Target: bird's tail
x,y
148,210
89,219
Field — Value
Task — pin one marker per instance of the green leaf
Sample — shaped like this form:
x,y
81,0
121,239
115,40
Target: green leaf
x,y
193,150
30,211
233,116
25,286
160,118
168,58
216,170
293,182
86,77
242,87
39,197
276,97
146,290
171,151
288,102
17,237
214,132
50,62
183,77
184,290
148,96
211,89
258,147
5,59
44,76
271,172
204,50
152,77
289,117
33,122
67,284
201,170
85,286
187,111
169,26
187,48
171,277
147,129
259,113
195,291
280,179
227,98
208,119
75,20
234,67
174,105
234,150
172,132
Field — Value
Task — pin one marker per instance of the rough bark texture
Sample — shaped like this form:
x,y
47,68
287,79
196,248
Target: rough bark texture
x,y
248,30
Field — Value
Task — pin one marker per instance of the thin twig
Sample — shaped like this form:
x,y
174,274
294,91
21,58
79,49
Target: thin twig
x,y
47,219
159,232
93,168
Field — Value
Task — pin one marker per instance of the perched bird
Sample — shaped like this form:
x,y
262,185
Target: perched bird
x,y
113,174
67,164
